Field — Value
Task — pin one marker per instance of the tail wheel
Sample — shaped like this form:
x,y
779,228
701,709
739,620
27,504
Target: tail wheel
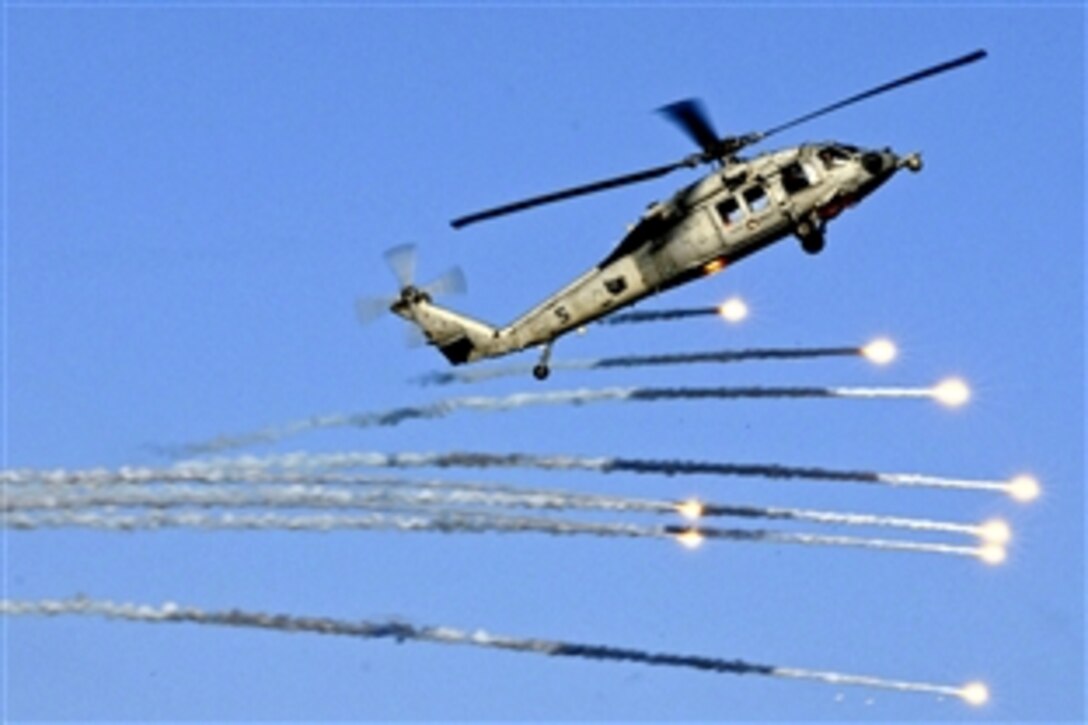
x,y
540,372
811,236
813,243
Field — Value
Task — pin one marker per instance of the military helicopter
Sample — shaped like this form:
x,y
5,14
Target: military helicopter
x,y
740,207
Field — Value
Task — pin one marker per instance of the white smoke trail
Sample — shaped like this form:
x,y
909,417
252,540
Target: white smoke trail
x,y
170,612
300,487
439,409
442,523
244,470
466,522
889,392
306,496
962,484
837,518
452,495
302,461
443,408
985,553
305,461
131,475
318,496
839,678
921,547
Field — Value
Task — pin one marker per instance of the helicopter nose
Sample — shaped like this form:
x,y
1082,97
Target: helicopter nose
x,y
879,163
911,161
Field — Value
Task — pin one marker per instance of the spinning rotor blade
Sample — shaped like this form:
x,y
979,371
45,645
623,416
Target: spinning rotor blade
x,y
883,88
452,282
691,116
402,260
414,337
369,309
635,178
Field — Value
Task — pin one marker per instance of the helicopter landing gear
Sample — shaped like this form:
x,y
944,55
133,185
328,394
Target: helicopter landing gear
x,y
541,369
814,243
811,236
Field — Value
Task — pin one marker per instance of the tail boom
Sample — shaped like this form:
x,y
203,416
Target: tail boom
x,y
461,339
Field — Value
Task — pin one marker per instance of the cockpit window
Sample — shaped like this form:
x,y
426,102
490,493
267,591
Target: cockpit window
x,y
794,178
834,156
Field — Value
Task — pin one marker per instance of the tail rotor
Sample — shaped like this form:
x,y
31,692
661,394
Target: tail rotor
x,y
450,282
401,261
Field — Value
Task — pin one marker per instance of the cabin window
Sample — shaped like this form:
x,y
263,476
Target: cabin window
x,y
794,178
756,198
729,211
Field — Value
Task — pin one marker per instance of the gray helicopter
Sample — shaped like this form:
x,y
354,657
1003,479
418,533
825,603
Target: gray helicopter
x,y
740,207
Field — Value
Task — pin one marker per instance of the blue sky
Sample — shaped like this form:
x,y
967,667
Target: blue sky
x,y
195,196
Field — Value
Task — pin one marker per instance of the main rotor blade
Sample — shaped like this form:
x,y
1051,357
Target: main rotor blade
x,y
635,178
691,116
899,82
402,260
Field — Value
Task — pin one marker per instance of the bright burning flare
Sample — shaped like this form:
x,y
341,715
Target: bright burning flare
x,y
1024,488
975,693
995,531
992,554
690,539
880,351
733,310
690,509
952,392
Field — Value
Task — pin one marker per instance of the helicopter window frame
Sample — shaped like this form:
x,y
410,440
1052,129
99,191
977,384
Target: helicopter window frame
x,y
730,211
756,199
834,157
796,177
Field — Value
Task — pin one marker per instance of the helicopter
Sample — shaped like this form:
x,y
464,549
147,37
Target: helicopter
x,y
742,206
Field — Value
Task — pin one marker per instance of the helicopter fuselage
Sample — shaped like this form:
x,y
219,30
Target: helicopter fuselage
x,y
734,211
739,208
